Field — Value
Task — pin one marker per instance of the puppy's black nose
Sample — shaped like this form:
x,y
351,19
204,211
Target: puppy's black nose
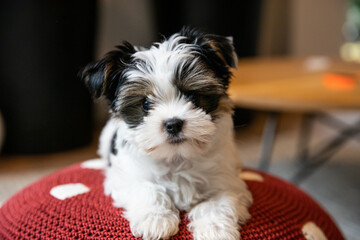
x,y
174,126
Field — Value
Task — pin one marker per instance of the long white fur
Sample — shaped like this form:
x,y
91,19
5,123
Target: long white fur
x,y
152,179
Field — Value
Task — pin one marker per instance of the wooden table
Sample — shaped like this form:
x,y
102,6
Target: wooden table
x,y
303,85
292,85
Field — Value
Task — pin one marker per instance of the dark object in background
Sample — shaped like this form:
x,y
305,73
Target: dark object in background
x,y
239,19
242,117
43,45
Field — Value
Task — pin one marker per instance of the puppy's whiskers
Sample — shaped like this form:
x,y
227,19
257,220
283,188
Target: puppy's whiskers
x,y
176,140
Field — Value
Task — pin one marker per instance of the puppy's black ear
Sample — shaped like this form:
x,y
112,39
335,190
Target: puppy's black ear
x,y
104,76
214,47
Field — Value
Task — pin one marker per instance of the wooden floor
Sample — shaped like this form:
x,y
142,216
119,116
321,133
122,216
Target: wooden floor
x,y
336,186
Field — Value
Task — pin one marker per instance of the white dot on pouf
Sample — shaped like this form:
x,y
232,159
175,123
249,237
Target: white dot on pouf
x,y
94,164
65,191
251,176
312,232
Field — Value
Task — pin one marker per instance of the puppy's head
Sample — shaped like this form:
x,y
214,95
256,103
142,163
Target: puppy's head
x,y
172,95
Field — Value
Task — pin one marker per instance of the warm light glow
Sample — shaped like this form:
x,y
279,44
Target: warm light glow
x,y
350,52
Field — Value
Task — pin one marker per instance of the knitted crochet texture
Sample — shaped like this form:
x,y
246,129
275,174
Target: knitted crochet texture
x,y
70,204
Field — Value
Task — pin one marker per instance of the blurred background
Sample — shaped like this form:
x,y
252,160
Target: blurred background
x,y
48,120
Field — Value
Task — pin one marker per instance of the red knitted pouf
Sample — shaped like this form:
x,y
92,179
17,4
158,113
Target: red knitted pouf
x,y
70,204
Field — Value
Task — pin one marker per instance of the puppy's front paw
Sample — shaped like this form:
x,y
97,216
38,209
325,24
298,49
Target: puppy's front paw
x,y
155,225
204,229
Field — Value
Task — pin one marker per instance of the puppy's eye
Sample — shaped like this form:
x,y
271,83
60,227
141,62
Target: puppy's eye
x,y
207,102
194,98
146,106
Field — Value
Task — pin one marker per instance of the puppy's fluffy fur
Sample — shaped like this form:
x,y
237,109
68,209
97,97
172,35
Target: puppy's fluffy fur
x,y
169,141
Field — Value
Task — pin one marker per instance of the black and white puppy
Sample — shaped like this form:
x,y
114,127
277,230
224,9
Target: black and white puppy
x,y
169,140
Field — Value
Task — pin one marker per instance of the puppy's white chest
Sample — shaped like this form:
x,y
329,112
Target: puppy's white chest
x,y
186,188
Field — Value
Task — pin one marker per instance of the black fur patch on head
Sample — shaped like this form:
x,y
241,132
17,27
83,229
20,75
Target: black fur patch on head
x,y
205,82
207,102
216,51
132,97
103,77
190,77
198,85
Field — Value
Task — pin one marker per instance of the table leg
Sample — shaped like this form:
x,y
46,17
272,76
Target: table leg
x,y
326,152
337,124
267,141
305,133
